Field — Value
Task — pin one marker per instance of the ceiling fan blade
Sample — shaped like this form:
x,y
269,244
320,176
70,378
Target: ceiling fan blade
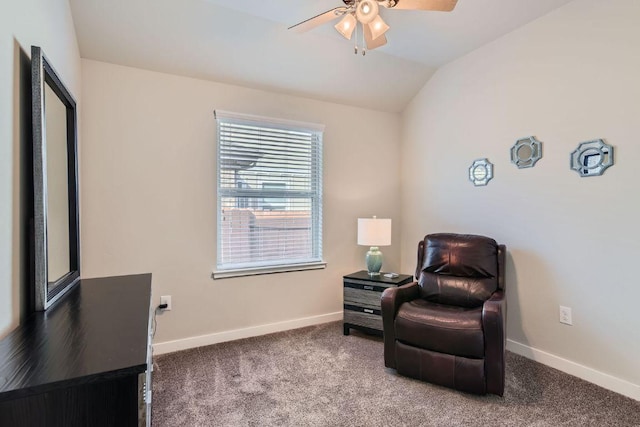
x,y
437,5
318,20
370,41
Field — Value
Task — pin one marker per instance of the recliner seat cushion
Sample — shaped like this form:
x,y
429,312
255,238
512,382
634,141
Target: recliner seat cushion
x,y
441,328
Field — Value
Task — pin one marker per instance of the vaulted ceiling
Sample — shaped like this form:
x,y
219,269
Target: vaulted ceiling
x,y
246,42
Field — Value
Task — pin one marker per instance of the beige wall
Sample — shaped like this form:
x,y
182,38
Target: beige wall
x,y
570,76
48,24
148,195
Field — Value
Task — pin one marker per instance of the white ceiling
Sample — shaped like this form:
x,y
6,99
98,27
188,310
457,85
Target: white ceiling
x,y
246,42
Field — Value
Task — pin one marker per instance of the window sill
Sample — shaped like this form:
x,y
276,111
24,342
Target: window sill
x,y
225,274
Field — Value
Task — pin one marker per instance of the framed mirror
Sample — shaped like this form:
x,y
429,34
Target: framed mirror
x,y
55,175
526,152
481,172
592,158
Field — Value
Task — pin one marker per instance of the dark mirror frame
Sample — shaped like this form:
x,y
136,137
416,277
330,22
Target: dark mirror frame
x,y
42,74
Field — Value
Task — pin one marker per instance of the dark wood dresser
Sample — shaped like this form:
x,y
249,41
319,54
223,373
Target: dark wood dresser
x,y
84,362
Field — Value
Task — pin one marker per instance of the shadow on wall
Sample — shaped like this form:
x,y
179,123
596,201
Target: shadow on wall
x,y
516,304
514,317
22,184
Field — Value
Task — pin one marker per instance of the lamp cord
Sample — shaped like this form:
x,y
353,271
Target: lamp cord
x,y
155,322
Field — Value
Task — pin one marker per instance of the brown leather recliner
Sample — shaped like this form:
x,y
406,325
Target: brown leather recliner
x,y
449,327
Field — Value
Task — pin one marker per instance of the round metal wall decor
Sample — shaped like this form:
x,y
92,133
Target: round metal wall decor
x,y
592,158
481,172
526,152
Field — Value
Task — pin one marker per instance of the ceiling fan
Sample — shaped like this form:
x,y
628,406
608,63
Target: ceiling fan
x,y
367,14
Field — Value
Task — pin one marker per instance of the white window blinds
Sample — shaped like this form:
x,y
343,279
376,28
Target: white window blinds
x,y
269,185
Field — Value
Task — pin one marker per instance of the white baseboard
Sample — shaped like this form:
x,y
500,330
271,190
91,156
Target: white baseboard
x,y
572,368
236,334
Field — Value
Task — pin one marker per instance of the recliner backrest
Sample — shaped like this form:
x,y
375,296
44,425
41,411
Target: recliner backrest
x,y
457,269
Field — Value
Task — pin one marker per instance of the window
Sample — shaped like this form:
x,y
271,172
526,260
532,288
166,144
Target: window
x,y
270,203
269,191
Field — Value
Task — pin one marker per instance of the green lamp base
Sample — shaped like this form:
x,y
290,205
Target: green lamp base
x,y
374,261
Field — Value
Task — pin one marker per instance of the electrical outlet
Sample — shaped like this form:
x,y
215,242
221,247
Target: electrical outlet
x,y
166,299
565,315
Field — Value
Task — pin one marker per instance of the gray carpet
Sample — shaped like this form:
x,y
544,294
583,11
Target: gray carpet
x,y
317,377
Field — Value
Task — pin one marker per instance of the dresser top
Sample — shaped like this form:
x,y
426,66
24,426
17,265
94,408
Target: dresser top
x,y
99,329
364,275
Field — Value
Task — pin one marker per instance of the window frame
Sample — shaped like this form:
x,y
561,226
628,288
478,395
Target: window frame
x,y
318,262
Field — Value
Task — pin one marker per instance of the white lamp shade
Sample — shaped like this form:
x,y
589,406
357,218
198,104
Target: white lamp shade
x,y
346,26
374,231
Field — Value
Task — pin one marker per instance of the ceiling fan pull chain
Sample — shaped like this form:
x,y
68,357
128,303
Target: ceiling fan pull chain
x,y
364,43
355,49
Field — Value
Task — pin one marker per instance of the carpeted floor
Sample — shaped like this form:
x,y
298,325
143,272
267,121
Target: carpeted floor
x,y
317,377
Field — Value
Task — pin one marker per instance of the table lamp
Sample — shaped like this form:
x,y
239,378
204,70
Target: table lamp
x,y
374,232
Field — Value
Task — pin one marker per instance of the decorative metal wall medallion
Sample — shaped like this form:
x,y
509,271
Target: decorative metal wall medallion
x,y
592,158
481,172
526,152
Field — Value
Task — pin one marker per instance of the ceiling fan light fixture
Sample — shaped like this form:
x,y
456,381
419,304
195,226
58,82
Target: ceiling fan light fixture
x,y
366,11
346,26
378,27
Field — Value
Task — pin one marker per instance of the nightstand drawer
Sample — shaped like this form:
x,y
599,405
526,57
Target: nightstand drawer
x,y
362,297
367,320
362,293
366,285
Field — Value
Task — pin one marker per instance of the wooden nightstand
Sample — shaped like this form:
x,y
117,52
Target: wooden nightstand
x,y
362,300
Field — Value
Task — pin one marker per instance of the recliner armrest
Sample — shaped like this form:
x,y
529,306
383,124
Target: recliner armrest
x,y
390,302
392,298
494,317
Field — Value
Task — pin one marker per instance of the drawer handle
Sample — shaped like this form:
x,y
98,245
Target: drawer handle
x,y
368,288
366,310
